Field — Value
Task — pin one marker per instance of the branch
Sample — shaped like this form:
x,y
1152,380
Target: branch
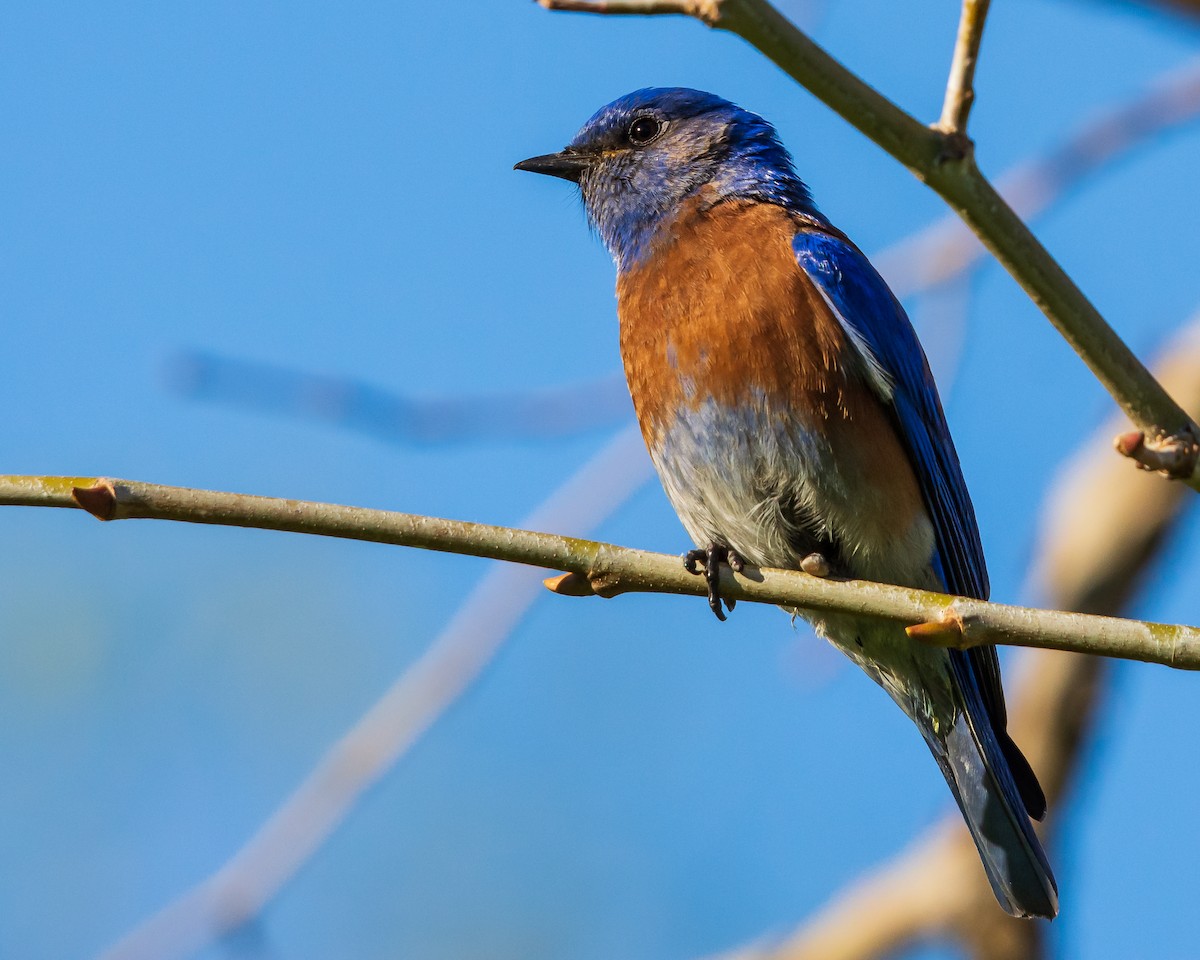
x,y
960,88
607,570
1168,456
936,159
705,10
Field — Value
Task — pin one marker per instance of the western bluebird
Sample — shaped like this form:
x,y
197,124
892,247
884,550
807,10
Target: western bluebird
x,y
790,411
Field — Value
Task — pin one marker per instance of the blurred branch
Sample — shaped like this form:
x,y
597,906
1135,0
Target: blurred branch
x,y
939,160
1102,527
517,415
607,570
239,890
960,88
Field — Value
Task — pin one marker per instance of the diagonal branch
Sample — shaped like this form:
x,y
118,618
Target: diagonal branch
x,y
607,570
960,88
936,159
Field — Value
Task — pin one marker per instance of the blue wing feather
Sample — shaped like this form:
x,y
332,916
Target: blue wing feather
x,y
874,320
894,361
991,780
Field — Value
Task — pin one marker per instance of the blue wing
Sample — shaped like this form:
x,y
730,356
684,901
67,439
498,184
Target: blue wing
x,y
980,761
895,364
878,326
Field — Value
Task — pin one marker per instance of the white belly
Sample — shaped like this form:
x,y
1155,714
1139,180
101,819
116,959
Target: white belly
x,y
775,492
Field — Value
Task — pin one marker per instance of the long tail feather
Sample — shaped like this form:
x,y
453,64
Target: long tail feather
x,y
977,770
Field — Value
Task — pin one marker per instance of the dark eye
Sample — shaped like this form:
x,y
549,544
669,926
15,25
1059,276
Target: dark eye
x,y
643,130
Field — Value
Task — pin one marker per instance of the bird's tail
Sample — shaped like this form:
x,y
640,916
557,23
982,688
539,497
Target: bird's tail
x,y
979,775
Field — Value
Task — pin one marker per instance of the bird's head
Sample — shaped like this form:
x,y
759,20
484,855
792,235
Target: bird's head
x,y
639,157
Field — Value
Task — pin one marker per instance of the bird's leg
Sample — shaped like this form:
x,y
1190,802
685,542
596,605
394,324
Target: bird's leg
x,y
708,560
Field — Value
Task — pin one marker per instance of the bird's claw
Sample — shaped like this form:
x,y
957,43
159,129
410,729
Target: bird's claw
x,y
707,561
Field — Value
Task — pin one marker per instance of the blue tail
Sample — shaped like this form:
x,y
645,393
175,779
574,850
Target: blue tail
x,y
979,775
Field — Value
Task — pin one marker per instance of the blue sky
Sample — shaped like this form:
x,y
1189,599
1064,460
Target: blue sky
x,y
328,188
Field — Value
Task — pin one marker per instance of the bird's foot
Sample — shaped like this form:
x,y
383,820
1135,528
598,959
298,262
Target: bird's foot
x,y
708,561
815,565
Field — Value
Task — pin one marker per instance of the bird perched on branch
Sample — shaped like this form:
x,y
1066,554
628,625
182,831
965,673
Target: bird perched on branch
x,y
794,423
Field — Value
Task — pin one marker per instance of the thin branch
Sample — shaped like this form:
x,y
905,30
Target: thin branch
x,y
1164,455
960,88
700,9
933,157
610,570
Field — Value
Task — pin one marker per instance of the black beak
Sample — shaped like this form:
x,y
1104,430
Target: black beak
x,y
566,165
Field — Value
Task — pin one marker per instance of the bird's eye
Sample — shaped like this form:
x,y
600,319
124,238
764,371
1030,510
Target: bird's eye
x,y
643,130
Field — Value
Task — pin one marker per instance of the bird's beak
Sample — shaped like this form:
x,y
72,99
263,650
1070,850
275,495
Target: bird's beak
x,y
568,165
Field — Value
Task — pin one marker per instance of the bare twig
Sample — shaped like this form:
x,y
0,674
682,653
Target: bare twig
x,y
1102,527
927,152
1168,456
611,570
705,10
960,88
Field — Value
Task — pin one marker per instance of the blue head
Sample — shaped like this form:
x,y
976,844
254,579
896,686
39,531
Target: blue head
x,y
639,157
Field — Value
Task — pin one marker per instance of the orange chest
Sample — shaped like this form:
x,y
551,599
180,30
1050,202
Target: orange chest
x,y
721,312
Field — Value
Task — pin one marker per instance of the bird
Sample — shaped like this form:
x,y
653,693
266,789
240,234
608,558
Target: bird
x,y
793,420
